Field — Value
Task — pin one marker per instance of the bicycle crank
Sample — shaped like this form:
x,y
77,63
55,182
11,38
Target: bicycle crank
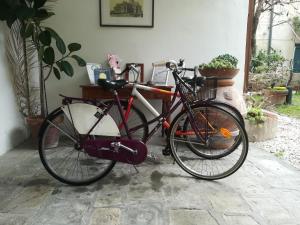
x,y
127,151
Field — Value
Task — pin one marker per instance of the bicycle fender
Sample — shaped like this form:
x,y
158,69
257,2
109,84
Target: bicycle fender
x,y
84,116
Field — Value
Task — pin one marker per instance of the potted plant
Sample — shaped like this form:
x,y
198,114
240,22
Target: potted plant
x,y
33,44
261,125
276,95
223,66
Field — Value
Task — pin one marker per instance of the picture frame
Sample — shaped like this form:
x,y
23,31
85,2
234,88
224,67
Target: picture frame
x,y
130,13
103,73
160,74
91,67
130,76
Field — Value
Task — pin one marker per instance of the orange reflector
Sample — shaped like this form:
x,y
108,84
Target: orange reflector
x,y
226,133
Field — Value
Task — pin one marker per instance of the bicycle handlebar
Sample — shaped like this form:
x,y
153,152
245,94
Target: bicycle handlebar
x,y
174,66
128,68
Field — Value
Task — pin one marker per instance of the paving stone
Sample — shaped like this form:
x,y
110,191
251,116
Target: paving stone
x,y
61,212
109,199
106,216
69,192
228,202
239,219
191,217
28,199
10,219
145,213
161,194
271,210
275,167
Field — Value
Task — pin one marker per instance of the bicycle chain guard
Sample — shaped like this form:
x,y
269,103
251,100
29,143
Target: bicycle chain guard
x,y
122,150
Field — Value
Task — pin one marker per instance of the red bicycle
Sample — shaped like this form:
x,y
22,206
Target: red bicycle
x,y
81,141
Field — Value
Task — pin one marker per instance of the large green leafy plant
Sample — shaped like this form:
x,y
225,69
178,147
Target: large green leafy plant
x,y
53,54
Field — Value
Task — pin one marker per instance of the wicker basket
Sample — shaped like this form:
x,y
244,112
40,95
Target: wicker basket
x,y
206,92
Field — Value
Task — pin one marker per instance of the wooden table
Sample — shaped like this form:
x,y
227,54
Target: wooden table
x,y
98,92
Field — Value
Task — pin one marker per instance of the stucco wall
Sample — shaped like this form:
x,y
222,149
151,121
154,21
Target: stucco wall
x,y
12,129
195,30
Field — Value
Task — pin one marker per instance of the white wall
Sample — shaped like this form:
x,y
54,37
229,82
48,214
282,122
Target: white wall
x,y
12,129
196,30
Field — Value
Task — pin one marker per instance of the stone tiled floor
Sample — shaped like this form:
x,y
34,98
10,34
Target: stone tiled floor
x,y
263,191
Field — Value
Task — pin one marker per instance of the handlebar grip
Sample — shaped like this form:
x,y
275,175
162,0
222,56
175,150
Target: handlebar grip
x,y
181,61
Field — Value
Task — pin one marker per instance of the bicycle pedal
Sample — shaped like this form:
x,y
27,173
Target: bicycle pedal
x,y
166,151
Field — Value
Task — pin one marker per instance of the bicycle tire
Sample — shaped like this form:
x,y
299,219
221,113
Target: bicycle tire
x,y
136,118
52,155
229,109
208,169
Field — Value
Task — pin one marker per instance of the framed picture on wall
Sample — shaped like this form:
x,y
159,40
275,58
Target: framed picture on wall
x,y
126,13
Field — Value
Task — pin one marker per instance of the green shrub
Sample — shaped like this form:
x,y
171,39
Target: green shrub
x,y
278,88
264,63
296,24
225,61
255,115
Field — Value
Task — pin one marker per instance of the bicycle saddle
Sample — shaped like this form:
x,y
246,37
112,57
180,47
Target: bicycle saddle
x,y
112,84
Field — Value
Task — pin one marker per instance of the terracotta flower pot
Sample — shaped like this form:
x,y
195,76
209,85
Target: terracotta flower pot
x,y
224,75
52,137
34,124
220,73
275,97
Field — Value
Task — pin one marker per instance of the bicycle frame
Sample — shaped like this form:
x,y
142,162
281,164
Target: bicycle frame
x,y
161,118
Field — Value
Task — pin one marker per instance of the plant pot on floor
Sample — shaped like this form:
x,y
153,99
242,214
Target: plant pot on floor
x,y
34,124
52,138
263,131
275,97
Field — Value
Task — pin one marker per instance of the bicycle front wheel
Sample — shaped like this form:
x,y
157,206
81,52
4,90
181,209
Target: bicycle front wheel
x,y
213,154
62,156
211,131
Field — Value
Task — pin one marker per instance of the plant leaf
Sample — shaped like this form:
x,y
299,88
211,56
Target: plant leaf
x,y
67,68
24,13
43,14
11,20
45,38
60,44
59,65
4,11
56,73
28,30
39,3
73,47
80,61
49,56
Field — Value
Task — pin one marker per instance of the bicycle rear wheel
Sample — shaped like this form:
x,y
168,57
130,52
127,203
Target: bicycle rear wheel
x,y
135,119
221,134
62,156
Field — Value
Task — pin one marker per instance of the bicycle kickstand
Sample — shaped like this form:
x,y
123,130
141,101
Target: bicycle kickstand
x,y
136,169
